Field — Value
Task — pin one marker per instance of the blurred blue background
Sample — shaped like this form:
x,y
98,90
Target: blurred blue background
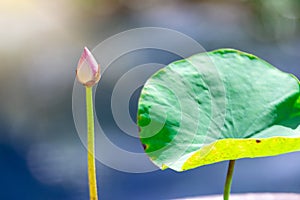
x,y
41,156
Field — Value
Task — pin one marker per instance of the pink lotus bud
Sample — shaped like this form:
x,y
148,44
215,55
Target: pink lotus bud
x,y
88,70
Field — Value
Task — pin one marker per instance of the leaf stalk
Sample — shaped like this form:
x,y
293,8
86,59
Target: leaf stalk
x,y
228,182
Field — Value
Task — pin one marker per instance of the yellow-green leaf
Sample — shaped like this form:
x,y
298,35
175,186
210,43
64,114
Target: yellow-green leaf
x,y
217,106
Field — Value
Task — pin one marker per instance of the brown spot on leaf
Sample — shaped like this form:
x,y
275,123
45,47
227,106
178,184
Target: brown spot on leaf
x,y
144,146
257,141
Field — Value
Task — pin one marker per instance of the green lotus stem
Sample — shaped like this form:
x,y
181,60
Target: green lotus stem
x,y
91,144
228,180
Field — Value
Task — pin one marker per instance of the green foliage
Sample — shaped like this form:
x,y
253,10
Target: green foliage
x,y
221,105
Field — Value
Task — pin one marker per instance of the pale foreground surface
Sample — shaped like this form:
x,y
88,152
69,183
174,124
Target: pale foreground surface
x,y
251,196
